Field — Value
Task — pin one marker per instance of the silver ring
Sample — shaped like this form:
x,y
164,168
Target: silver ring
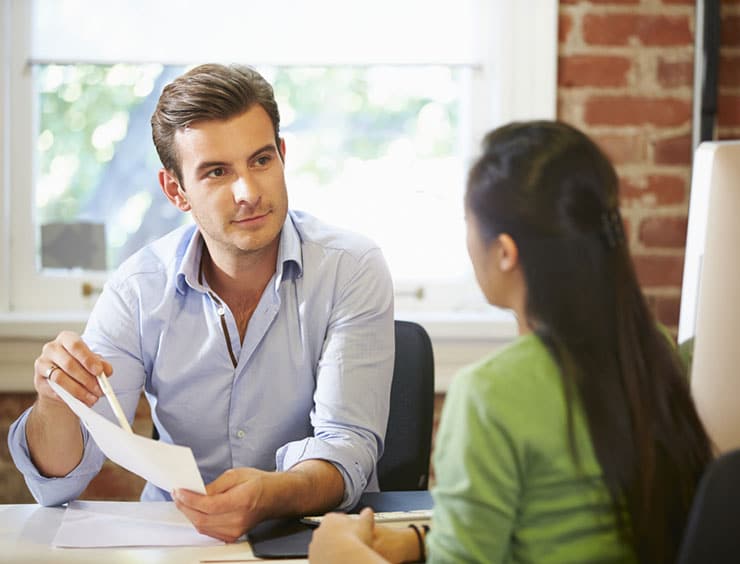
x,y
51,370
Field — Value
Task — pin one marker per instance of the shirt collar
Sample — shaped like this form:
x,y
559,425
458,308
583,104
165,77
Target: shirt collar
x,y
289,253
187,273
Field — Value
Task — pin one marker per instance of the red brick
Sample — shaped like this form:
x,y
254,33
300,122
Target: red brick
x,y
729,70
627,110
615,2
728,110
674,74
626,226
114,483
663,232
673,150
730,34
13,487
659,270
666,309
622,149
691,2
565,24
593,70
729,134
624,29
13,404
654,190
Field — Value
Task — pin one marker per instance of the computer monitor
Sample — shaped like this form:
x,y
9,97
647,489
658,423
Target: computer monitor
x,y
710,296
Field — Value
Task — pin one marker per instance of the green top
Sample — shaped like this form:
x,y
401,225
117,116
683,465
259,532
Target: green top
x,y
507,488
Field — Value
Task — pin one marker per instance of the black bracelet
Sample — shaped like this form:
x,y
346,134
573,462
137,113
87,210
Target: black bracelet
x,y
420,538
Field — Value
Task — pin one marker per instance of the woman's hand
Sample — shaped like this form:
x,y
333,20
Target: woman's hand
x,y
341,539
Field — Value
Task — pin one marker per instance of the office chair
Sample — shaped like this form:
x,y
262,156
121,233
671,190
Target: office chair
x,y
408,438
713,529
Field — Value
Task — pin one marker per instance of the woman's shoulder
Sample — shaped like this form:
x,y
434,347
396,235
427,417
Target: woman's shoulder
x,y
511,379
523,362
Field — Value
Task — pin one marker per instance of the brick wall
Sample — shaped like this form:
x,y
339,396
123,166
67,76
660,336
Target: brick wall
x,y
625,77
112,483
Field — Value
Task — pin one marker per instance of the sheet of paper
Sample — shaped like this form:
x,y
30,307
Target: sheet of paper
x,y
164,465
88,524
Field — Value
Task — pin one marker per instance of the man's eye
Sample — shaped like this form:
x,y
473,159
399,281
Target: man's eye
x,y
263,160
216,172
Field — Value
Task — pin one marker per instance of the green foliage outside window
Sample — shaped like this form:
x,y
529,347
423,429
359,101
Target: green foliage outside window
x,y
95,159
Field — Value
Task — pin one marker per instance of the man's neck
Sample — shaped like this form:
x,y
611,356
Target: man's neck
x,y
240,280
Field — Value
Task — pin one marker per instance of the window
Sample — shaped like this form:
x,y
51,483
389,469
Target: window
x,y
382,107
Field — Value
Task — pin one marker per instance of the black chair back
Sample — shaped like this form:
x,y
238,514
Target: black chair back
x,y
408,438
713,528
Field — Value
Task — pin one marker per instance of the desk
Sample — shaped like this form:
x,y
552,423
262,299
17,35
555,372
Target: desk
x,y
27,531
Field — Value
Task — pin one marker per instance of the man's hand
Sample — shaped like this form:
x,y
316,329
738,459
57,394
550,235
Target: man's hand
x,y
53,430
70,363
241,498
235,502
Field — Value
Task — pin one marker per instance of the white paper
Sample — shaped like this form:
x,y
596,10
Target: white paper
x,y
164,465
88,524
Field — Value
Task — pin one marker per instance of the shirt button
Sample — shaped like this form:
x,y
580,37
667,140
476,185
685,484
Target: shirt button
x,y
240,434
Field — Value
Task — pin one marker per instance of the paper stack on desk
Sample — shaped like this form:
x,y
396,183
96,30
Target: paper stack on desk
x,y
88,524
164,465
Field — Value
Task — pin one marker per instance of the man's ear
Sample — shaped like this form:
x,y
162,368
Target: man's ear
x,y
508,253
281,148
173,190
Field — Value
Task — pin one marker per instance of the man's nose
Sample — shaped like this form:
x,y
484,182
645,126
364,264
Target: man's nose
x,y
245,192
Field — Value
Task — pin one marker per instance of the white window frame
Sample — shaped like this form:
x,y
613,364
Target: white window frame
x,y
517,80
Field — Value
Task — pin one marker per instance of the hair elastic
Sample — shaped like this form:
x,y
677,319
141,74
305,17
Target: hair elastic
x,y
420,538
612,227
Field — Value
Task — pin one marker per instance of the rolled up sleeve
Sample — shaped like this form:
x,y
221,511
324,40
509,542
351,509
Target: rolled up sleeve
x,y
52,491
353,380
106,324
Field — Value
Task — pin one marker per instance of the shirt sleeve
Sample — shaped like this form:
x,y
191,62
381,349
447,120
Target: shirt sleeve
x,y
353,379
108,333
52,491
478,480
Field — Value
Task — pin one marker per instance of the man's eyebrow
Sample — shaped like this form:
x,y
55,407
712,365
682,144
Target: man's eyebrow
x,y
269,148
208,164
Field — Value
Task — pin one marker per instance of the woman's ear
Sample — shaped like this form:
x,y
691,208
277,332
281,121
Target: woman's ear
x,y
173,190
508,253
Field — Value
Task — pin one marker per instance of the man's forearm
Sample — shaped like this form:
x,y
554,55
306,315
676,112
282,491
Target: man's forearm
x,y
308,488
54,438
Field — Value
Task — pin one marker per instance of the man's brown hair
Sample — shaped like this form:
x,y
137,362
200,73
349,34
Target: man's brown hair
x,y
208,92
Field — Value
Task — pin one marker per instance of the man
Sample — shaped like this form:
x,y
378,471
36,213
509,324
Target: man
x,y
262,338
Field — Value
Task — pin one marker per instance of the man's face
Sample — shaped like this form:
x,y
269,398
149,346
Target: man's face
x,y
233,182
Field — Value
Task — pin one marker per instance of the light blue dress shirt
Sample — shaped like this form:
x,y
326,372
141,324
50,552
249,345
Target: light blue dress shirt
x,y
310,381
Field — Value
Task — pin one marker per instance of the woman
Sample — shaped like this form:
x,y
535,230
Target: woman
x,y
579,442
